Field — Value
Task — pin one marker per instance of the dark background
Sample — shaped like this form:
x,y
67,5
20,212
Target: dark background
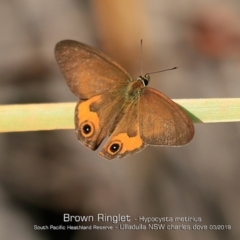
x,y
45,174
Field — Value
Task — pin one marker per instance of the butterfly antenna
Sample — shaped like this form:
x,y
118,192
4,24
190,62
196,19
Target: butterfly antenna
x,y
141,57
169,69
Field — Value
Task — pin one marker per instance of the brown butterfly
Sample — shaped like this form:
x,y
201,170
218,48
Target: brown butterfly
x,y
112,103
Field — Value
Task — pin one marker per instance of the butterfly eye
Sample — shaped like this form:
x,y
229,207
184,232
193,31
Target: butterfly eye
x,y
115,147
87,129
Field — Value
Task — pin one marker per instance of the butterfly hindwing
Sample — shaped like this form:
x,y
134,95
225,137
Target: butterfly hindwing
x,y
125,139
162,121
94,118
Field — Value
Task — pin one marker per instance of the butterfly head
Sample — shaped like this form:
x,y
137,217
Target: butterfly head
x,y
144,79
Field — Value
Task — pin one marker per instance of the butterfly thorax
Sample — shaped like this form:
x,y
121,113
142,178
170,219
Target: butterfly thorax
x,y
136,87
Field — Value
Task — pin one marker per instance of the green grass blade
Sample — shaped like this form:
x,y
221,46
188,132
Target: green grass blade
x,y
212,110
53,116
35,117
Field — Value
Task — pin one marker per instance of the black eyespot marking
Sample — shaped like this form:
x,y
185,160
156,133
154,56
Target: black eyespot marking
x,y
87,129
115,147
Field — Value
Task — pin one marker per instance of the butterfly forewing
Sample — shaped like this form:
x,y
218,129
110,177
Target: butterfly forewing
x,y
87,71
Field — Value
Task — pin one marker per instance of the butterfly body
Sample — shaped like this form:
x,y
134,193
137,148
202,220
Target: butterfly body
x,y
113,104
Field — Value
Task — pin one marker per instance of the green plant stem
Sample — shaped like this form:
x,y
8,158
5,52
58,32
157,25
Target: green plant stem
x,y
53,116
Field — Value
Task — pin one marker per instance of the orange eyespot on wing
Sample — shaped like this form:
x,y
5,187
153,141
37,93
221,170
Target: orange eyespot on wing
x,y
125,139
94,118
88,124
122,145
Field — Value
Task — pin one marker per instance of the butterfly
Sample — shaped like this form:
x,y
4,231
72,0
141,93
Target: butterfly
x,y
112,103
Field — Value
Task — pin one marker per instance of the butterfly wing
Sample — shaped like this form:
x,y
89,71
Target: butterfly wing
x,y
125,139
163,122
99,82
87,71
95,118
